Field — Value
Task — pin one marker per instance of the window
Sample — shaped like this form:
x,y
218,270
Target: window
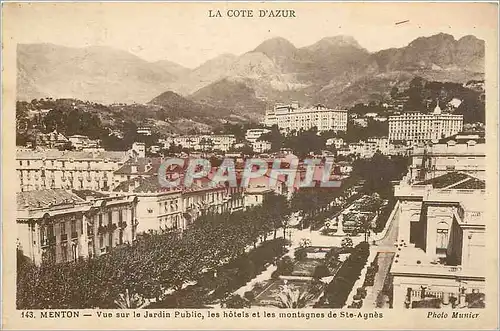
x,y
101,241
442,236
110,217
64,253
100,219
73,228
63,227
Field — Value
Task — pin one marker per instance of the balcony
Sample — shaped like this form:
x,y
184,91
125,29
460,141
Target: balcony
x,y
64,237
49,241
107,228
74,235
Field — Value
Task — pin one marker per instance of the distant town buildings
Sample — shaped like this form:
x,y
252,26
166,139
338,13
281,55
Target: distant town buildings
x,y
261,146
138,150
53,139
337,142
294,117
252,135
418,127
80,142
203,142
144,130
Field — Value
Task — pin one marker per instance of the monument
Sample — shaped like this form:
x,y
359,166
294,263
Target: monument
x,y
340,226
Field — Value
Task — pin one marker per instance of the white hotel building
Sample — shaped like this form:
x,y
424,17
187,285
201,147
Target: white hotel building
x,y
418,127
52,169
290,117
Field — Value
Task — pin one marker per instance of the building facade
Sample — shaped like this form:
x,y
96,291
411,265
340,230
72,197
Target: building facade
x,y
45,169
293,117
252,135
55,225
464,152
441,242
157,208
418,127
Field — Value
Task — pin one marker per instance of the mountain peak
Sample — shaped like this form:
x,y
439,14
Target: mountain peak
x,y
434,39
277,46
335,41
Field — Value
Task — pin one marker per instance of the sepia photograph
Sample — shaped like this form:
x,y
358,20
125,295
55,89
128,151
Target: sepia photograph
x,y
194,165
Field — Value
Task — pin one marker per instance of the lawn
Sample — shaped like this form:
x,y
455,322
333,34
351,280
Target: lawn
x,y
305,268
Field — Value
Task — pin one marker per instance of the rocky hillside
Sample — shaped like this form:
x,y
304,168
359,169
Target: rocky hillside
x,y
99,74
336,71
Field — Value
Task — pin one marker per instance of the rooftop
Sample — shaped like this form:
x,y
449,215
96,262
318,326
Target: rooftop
x,y
84,194
39,154
46,198
465,136
446,180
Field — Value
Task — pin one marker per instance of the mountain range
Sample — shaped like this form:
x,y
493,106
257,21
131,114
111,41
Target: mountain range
x,y
336,71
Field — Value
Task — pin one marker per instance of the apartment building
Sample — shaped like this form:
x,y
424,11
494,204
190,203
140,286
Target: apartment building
x,y
157,208
57,225
160,208
50,168
418,127
292,116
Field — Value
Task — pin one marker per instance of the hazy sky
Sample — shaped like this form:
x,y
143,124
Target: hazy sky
x,y
184,33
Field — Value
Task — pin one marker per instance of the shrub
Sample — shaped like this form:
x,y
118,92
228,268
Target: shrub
x,y
285,266
236,301
246,269
361,291
300,254
320,271
249,295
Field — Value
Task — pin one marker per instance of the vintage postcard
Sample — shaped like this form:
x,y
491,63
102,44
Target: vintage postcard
x,y
250,165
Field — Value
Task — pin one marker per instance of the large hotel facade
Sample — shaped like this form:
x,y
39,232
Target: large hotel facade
x,y
418,127
292,116
51,169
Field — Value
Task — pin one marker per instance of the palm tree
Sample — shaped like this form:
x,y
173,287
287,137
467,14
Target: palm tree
x,y
134,301
293,298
